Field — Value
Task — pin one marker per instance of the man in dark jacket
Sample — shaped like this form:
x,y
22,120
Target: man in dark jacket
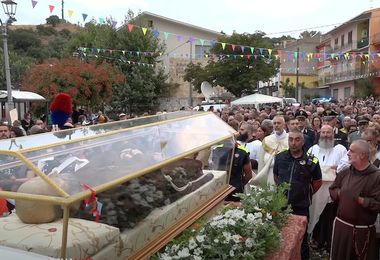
x,y
303,173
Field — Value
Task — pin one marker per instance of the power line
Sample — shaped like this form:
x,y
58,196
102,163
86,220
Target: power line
x,y
322,26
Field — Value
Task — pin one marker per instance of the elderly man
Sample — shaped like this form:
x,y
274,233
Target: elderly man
x,y
322,210
271,145
356,189
302,171
330,118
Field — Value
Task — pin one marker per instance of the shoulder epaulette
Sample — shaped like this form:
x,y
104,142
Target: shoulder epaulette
x,y
315,159
241,147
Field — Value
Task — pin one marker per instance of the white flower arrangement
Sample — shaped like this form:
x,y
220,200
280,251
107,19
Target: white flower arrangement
x,y
247,232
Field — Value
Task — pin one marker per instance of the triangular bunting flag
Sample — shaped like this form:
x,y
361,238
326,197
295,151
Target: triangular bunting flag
x,y
179,37
101,20
156,33
130,27
202,41
252,50
84,16
123,52
114,23
166,35
51,8
270,52
233,47
261,50
241,56
70,12
242,48
34,3
191,39
223,45
144,29
249,56
212,43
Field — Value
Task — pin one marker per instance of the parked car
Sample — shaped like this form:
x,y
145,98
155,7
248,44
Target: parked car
x,y
321,100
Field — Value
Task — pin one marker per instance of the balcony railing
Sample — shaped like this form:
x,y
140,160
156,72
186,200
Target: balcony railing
x,y
343,76
362,43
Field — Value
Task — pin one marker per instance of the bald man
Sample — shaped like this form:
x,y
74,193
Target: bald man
x,y
271,146
356,190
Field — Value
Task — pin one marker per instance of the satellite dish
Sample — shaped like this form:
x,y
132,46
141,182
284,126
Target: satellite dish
x,y
207,90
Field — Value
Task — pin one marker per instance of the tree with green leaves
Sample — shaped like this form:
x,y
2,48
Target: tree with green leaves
x,y
239,75
53,20
146,81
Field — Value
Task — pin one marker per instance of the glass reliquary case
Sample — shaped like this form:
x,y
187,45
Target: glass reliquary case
x,y
145,179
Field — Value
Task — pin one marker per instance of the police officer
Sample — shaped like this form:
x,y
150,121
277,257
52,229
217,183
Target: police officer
x,y
309,135
303,173
241,171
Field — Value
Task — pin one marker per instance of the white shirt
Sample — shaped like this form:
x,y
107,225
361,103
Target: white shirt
x,y
254,149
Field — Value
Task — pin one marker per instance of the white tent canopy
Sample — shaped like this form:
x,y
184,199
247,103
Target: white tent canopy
x,y
256,99
22,95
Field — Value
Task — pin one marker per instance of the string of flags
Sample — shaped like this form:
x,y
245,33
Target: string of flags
x,y
238,50
97,56
282,56
283,70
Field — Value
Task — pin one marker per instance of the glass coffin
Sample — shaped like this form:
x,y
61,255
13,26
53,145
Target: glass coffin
x,y
141,176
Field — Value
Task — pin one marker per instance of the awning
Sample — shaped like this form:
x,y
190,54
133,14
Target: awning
x,y
22,95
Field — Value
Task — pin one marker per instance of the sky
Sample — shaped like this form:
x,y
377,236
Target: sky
x,y
274,17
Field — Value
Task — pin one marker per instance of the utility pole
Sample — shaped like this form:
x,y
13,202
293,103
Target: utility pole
x,y
63,12
190,86
298,91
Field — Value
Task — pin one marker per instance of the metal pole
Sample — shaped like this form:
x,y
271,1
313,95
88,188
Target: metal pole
x,y
190,86
298,93
63,16
9,104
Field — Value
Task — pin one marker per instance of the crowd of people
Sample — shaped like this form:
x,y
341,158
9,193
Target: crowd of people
x,y
330,154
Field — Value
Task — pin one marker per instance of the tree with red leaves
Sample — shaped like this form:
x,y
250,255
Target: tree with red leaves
x,y
89,84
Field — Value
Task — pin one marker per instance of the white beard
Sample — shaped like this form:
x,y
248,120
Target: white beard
x,y
326,143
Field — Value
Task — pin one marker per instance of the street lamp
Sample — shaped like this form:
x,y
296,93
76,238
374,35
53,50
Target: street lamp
x,y
9,7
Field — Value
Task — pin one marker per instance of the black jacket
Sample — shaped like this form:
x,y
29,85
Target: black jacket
x,y
300,173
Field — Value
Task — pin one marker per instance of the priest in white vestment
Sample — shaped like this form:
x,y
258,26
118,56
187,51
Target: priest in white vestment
x,y
271,146
329,157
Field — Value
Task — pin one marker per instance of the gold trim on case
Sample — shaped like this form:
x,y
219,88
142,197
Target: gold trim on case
x,y
181,225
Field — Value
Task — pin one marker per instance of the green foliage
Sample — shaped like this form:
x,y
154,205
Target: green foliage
x,y
144,84
365,87
22,40
53,20
45,30
247,232
238,75
19,65
289,88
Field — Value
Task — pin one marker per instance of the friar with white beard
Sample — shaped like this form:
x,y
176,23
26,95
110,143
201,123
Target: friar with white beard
x,y
322,209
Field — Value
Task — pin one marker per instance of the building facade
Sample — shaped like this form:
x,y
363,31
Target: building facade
x,y
297,66
184,43
348,54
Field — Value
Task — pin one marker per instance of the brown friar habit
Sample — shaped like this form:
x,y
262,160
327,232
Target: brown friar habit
x,y
354,234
